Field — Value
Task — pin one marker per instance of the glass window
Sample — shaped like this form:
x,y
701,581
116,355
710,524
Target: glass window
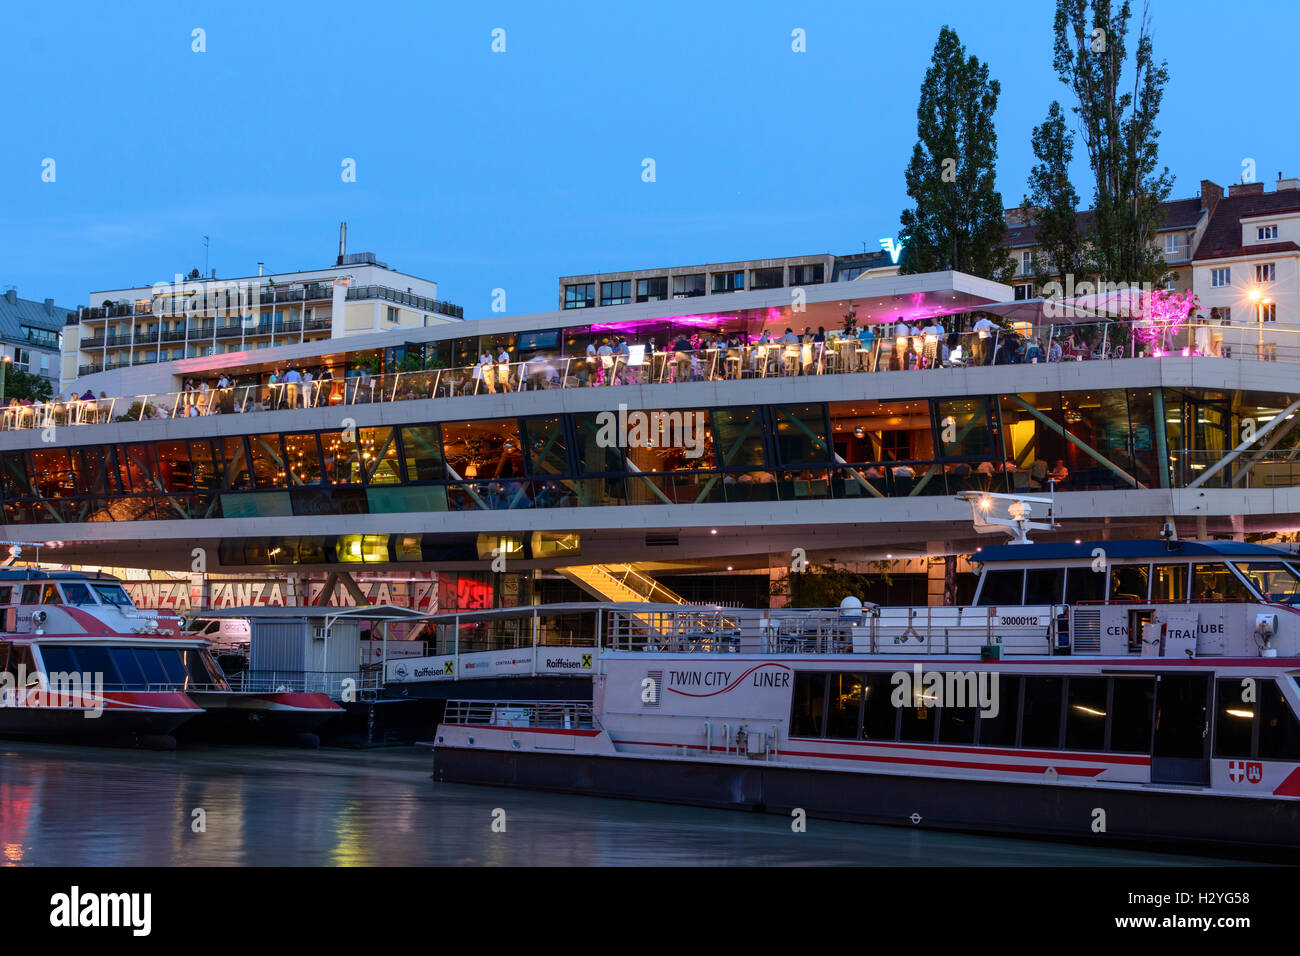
x,y
1274,580
342,458
801,434
483,450
422,447
999,730
964,428
174,465
112,594
1044,585
689,286
616,293
128,667
728,281
807,275
844,704
268,462
172,665
1083,584
94,659
918,717
772,278
206,465
379,456
151,666
1234,719
1279,731
1169,583
739,439
956,723
1130,714
238,476
1041,721
547,453
1215,582
652,290
1128,582
57,659
78,594
302,455
808,705
1085,713
879,715
1002,587
580,296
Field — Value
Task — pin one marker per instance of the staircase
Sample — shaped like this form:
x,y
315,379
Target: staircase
x,y
620,584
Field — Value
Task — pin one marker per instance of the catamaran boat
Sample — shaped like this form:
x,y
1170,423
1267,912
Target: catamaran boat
x,y
1118,691
137,669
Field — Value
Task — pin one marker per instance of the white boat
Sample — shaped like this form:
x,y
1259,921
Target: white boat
x,y
1113,691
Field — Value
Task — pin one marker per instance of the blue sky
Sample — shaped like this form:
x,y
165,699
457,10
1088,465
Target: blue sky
x,y
483,170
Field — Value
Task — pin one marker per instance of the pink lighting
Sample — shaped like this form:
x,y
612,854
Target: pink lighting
x,y
1164,314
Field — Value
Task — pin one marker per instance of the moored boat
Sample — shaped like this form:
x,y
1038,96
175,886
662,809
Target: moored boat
x,y
1137,691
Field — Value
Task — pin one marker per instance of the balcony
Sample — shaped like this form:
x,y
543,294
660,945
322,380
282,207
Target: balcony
x,y
406,298
89,370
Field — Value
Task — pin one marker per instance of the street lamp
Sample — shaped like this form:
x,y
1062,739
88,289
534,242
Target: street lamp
x,y
4,367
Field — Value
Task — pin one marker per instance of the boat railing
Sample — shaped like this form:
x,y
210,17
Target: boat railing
x,y
679,628
338,685
550,714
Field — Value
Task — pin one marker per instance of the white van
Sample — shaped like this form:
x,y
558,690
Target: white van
x,y
226,632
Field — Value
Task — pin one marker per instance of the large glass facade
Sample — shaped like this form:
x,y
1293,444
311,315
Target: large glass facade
x,y
869,448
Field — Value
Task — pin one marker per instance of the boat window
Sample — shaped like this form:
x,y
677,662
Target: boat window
x,y
1002,587
112,594
879,716
5,647
918,721
809,705
31,594
1274,580
1130,715
843,706
1169,583
999,730
1215,582
1084,585
57,660
1085,713
94,659
173,665
20,663
128,666
1234,718
77,593
202,668
1041,722
152,667
50,594
6,594
1279,731
1044,585
1128,582
957,723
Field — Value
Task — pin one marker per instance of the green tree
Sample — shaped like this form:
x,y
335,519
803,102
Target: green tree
x,y
1117,120
21,384
957,221
827,586
1052,204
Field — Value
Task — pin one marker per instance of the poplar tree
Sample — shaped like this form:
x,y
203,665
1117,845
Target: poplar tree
x,y
1117,121
1052,204
957,221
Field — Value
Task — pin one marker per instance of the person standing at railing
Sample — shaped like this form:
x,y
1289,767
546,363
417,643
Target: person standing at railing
x,y
503,369
292,383
984,329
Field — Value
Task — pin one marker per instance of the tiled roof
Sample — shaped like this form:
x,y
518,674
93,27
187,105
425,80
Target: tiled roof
x,y
1222,237
1178,214
16,313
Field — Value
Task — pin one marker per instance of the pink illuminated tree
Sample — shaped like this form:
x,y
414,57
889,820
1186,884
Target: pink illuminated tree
x,y
1164,315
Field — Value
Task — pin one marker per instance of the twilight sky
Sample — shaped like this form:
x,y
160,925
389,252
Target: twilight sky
x,y
483,170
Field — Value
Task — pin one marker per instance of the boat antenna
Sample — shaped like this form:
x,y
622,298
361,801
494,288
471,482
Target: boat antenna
x,y
1017,523
16,550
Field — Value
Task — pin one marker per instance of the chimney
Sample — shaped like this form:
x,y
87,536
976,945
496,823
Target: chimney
x,y
1211,193
11,296
259,267
214,272
49,306
1287,185
343,242
1246,189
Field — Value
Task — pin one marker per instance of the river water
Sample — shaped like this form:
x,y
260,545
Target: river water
x,y
81,806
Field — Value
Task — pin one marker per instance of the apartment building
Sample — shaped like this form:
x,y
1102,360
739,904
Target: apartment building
x,y
30,334
192,316
1246,269
1183,224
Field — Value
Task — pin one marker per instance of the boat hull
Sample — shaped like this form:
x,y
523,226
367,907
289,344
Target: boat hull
x,y
124,716
1173,818
234,717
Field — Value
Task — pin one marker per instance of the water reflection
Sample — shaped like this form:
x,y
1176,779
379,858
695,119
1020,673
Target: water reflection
x,y
266,806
